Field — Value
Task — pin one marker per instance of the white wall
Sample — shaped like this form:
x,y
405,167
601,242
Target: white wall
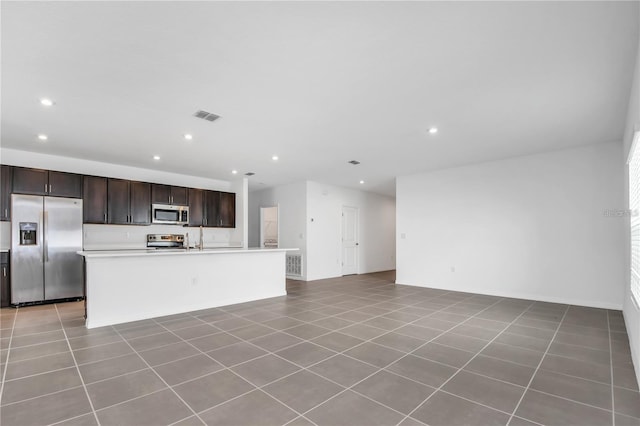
x,y
320,240
531,227
292,207
104,237
630,309
324,230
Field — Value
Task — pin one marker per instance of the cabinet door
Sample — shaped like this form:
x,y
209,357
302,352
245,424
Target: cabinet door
x,y
161,194
65,185
5,285
118,201
5,192
227,215
140,203
30,181
211,208
94,199
196,207
179,195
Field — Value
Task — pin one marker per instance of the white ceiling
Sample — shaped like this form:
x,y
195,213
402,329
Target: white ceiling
x,y
319,84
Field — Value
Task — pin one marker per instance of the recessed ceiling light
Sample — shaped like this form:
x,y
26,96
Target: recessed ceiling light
x,y
43,137
188,136
274,158
361,182
46,102
235,172
433,130
156,157
354,162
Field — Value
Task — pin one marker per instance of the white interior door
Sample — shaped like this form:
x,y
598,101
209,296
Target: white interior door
x,y
269,227
349,240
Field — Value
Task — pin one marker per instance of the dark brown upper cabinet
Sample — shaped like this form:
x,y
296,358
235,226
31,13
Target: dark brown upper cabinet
x,y
196,207
140,203
30,181
128,202
118,201
166,194
219,209
5,192
227,212
211,208
46,182
94,199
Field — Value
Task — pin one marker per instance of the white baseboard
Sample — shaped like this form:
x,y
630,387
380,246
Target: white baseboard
x,y
526,296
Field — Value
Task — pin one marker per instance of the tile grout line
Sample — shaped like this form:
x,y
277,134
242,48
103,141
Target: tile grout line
x,y
160,377
373,301
613,403
350,388
468,362
6,364
75,363
318,362
539,364
256,387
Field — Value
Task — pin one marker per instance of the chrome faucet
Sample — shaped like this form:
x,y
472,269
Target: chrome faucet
x,y
200,245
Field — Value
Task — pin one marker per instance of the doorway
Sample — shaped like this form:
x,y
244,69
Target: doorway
x,y
349,240
269,228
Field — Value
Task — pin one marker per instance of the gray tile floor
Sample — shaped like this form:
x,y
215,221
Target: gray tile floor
x,y
350,351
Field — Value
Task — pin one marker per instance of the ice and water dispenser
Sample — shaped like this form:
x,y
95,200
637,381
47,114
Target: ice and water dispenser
x,y
28,233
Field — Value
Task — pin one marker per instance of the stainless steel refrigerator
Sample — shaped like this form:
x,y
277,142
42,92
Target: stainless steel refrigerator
x,y
46,233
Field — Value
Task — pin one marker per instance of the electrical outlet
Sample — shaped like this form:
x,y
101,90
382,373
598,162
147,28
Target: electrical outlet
x,y
194,281
403,236
453,269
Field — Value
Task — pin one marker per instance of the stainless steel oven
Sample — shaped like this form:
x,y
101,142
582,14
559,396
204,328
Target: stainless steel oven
x,y
168,214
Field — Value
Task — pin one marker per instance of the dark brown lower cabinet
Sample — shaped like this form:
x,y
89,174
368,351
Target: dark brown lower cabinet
x,y
5,281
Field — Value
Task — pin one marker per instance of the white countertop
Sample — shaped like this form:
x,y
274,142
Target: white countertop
x,y
176,252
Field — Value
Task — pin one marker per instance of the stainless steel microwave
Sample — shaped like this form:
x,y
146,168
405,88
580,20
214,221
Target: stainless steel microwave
x,y
170,215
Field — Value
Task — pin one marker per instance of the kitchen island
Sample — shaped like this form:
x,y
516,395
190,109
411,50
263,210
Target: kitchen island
x,y
131,285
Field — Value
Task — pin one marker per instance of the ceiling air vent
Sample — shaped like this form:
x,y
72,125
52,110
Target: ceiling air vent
x,y
354,162
249,174
206,115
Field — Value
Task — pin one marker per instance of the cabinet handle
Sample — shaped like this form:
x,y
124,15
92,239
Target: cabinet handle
x,y
50,190
171,198
105,216
4,271
45,188
6,213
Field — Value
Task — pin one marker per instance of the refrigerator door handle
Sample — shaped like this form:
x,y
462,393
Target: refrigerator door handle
x,y
45,244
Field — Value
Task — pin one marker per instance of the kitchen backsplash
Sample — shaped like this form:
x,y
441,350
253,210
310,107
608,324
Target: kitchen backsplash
x,y
115,237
